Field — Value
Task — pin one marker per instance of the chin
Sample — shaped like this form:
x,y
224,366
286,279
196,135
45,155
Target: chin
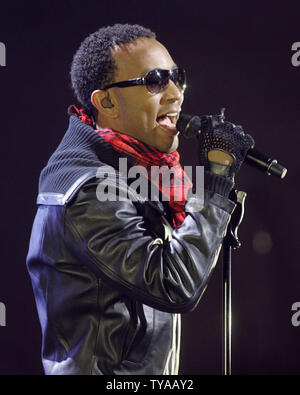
x,y
163,142
173,147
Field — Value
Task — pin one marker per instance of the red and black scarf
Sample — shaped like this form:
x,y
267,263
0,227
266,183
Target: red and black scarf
x,y
142,154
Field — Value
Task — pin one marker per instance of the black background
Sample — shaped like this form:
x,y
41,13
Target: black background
x,y
237,55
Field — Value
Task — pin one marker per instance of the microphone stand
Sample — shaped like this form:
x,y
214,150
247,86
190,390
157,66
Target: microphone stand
x,y
191,127
230,241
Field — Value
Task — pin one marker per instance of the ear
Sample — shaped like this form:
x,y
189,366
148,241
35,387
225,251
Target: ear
x,y
105,103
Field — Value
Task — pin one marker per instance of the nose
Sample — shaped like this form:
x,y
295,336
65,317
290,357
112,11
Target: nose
x,y
171,94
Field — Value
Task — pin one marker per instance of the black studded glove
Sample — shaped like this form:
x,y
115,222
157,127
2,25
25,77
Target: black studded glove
x,y
231,139
227,137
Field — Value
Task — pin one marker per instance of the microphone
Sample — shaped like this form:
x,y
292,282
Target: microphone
x,y
191,126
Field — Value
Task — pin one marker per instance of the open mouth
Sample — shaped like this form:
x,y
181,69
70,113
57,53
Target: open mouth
x,y
168,121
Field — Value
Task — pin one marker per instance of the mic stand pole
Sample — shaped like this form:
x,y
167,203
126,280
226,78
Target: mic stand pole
x,y
230,241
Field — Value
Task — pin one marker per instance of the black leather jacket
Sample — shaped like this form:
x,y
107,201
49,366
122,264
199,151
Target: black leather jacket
x,y
111,278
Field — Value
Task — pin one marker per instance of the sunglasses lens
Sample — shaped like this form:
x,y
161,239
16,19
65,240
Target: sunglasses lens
x,y
157,80
179,78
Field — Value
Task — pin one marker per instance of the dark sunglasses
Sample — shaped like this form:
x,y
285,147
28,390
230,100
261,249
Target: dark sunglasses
x,y
156,80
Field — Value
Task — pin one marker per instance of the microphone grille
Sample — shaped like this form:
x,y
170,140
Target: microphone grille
x,y
189,125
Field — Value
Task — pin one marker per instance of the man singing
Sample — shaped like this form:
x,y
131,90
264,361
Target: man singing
x,y
111,277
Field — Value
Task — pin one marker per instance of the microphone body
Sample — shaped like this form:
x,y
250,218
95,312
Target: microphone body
x,y
191,126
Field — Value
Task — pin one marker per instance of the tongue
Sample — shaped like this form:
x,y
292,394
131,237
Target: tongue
x,y
166,123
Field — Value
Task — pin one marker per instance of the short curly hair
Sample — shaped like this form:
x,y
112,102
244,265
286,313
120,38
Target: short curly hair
x,y
93,65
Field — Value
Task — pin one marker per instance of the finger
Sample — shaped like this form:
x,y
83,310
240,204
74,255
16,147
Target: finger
x,y
239,129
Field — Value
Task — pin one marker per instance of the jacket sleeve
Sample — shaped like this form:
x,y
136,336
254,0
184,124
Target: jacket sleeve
x,y
113,240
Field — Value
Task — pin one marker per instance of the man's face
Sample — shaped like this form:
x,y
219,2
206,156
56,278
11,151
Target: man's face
x,y
139,109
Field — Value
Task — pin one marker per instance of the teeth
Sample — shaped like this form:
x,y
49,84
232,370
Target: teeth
x,y
169,114
172,114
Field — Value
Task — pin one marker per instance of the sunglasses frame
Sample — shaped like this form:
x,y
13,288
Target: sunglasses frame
x,y
143,80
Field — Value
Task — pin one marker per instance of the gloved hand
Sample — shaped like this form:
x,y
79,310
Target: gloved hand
x,y
226,137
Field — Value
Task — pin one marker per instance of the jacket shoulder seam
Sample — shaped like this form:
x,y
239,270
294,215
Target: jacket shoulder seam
x,y
61,199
